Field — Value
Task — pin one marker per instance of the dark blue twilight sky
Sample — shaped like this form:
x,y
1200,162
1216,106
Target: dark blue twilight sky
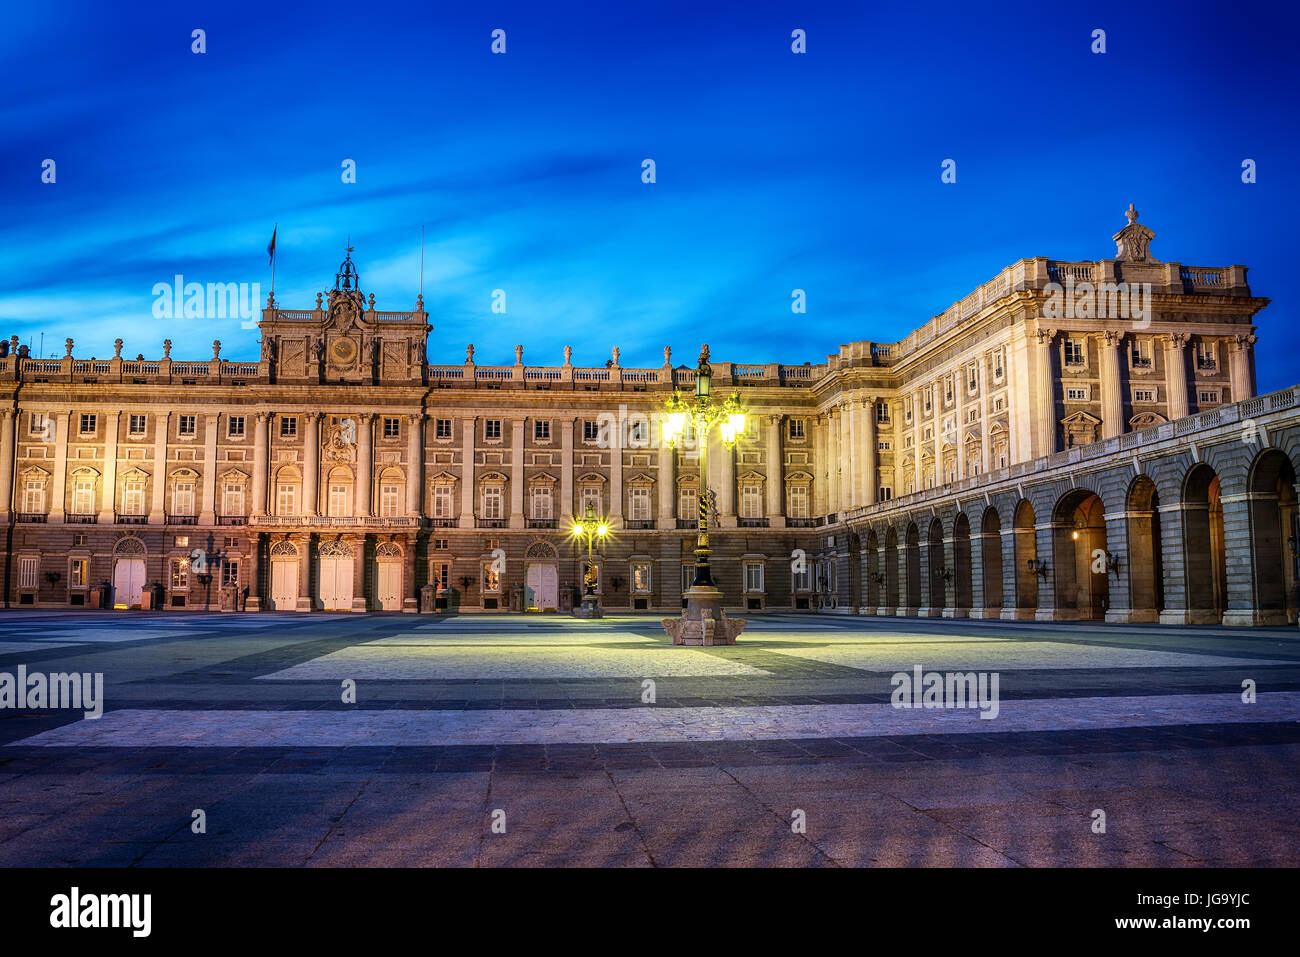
x,y
775,171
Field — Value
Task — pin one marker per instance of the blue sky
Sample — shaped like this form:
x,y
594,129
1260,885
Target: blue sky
x,y
775,171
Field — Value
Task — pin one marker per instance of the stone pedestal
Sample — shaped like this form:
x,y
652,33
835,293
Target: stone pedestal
x,y
703,621
590,608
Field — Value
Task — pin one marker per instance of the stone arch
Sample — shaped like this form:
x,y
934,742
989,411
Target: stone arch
x,y
912,547
891,570
871,569
129,546
542,551
1274,536
855,573
991,561
1205,567
936,586
388,551
336,548
1145,562
1079,556
963,573
284,549
1026,555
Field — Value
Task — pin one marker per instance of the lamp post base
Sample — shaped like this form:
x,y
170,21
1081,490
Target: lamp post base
x,y
589,608
703,622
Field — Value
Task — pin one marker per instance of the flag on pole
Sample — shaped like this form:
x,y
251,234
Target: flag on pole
x,y
270,249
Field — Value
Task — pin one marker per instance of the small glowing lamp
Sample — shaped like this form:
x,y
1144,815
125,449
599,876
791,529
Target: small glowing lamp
x,y
601,530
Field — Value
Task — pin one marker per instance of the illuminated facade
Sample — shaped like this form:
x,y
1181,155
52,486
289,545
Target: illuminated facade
x,y
976,467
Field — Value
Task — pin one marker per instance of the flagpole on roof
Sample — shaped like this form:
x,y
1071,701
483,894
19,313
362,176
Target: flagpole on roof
x,y
271,249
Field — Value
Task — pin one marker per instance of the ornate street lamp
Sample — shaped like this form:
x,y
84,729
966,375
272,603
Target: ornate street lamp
x,y
592,529
703,621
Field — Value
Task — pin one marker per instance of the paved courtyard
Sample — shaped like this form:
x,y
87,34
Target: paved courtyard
x,y
550,741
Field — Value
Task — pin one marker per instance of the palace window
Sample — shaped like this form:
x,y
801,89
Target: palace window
x,y
797,429
1074,352
590,495
1209,396
884,445
440,545
542,502
492,430
288,426
492,501
590,430
638,503
751,500
286,499
753,576
882,413
947,390
34,496
27,568
1141,357
997,364
232,499
688,575
442,501
88,423
688,502
185,425
181,541
442,429
235,427
885,494
641,576
1144,395
135,425
796,501
1206,357
39,424
801,576
83,496
999,404
389,500
491,577
180,574
1077,394
392,428
182,498
77,569
338,499
972,378
541,431
440,575
229,573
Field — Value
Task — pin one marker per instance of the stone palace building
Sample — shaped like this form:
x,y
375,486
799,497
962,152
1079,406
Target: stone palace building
x,y
1072,440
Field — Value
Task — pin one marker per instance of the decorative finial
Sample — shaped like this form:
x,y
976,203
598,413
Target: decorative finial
x,y
67,344
216,348
519,355
1131,213
469,354
1133,242
167,348
616,354
318,303
419,303
704,354
668,355
568,355
117,348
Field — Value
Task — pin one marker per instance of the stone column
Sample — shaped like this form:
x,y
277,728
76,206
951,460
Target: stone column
x,y
871,455
849,474
365,462
615,480
108,506
467,426
820,467
310,463
1241,367
1045,425
1112,401
207,510
775,472
958,419
7,456
832,459
414,472
986,413
667,488
260,455
917,470
157,498
566,471
517,473
59,493
1176,375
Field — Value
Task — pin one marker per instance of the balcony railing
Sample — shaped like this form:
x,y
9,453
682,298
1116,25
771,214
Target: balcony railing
x,y
541,523
442,522
232,519
639,523
181,519
131,519
752,523
802,522
75,518
688,523
491,523
34,518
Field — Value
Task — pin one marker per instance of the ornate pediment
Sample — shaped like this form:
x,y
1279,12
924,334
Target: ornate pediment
x,y
339,443
1133,242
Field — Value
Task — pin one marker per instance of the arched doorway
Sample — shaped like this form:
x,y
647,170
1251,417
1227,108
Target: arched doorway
x,y
1026,552
961,553
937,571
128,573
1145,571
284,576
1080,557
855,573
891,571
1274,537
913,583
991,562
1206,573
541,577
872,568
336,575
388,580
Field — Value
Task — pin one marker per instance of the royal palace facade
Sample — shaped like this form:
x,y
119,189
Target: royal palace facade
x,y
1070,440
